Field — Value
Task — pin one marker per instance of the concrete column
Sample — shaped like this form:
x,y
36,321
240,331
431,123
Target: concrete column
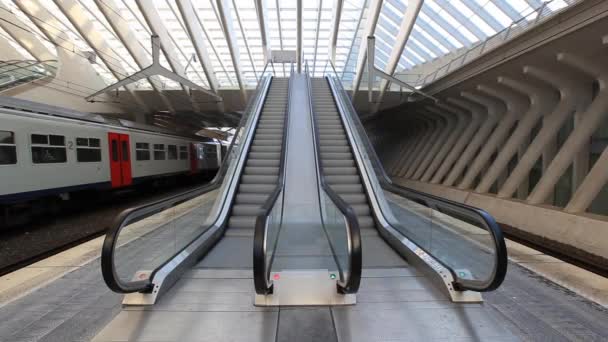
x,y
435,125
418,142
477,114
580,167
542,100
462,120
524,186
573,91
591,186
423,151
420,127
437,143
592,118
495,109
516,105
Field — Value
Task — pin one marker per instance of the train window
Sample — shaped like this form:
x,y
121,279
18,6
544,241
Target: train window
x,y
47,149
40,139
142,151
88,150
172,152
114,151
159,152
183,152
8,149
125,151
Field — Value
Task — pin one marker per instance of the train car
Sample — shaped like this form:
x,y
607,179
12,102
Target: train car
x,y
49,156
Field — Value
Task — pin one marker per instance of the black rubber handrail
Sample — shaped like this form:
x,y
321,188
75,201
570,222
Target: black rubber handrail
x,y
451,208
352,223
261,272
140,212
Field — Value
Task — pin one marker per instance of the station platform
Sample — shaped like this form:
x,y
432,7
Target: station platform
x,y
64,298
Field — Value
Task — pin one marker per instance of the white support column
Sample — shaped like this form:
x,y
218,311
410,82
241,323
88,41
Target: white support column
x,y
462,119
574,93
542,101
373,13
14,27
261,9
435,143
591,186
197,37
8,52
477,114
407,24
592,118
435,127
516,105
127,37
495,109
299,36
75,13
338,5
427,145
225,15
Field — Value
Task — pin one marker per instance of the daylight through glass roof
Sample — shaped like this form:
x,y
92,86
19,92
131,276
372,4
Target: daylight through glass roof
x,y
441,28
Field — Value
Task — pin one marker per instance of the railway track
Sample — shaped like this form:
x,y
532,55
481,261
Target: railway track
x,y
80,222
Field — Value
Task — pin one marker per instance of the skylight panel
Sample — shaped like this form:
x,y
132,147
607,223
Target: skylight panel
x,y
499,15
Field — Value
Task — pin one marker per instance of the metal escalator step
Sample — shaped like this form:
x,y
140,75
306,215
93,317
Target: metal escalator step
x,y
336,155
343,179
264,189
264,130
326,142
251,198
267,142
331,136
266,148
326,126
259,170
263,162
354,198
366,222
339,171
259,179
330,148
264,155
242,222
268,137
247,209
326,131
338,163
361,209
369,231
348,188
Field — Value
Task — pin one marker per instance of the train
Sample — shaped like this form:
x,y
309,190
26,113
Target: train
x,y
45,156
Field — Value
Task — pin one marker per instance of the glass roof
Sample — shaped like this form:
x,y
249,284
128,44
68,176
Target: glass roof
x,y
441,27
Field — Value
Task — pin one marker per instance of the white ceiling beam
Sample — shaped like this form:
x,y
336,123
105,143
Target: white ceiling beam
x,y
314,63
75,13
225,15
407,24
338,5
261,9
127,37
244,35
197,37
299,36
373,13
169,49
14,27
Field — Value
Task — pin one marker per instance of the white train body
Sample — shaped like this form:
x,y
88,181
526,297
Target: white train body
x,y
42,155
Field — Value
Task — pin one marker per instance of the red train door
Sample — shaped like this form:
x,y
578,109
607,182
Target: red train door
x,y
120,159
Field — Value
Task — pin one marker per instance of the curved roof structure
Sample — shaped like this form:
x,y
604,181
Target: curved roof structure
x,y
225,43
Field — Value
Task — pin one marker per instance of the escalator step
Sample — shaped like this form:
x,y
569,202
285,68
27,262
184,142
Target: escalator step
x,y
242,222
263,163
336,155
251,198
249,210
342,179
330,171
268,148
256,188
348,188
330,148
265,155
338,163
260,170
259,179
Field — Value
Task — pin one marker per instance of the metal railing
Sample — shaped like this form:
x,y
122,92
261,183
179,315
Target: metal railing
x,y
350,268
262,258
133,215
462,212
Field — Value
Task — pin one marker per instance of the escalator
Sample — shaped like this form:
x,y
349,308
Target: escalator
x,y
208,229
262,168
